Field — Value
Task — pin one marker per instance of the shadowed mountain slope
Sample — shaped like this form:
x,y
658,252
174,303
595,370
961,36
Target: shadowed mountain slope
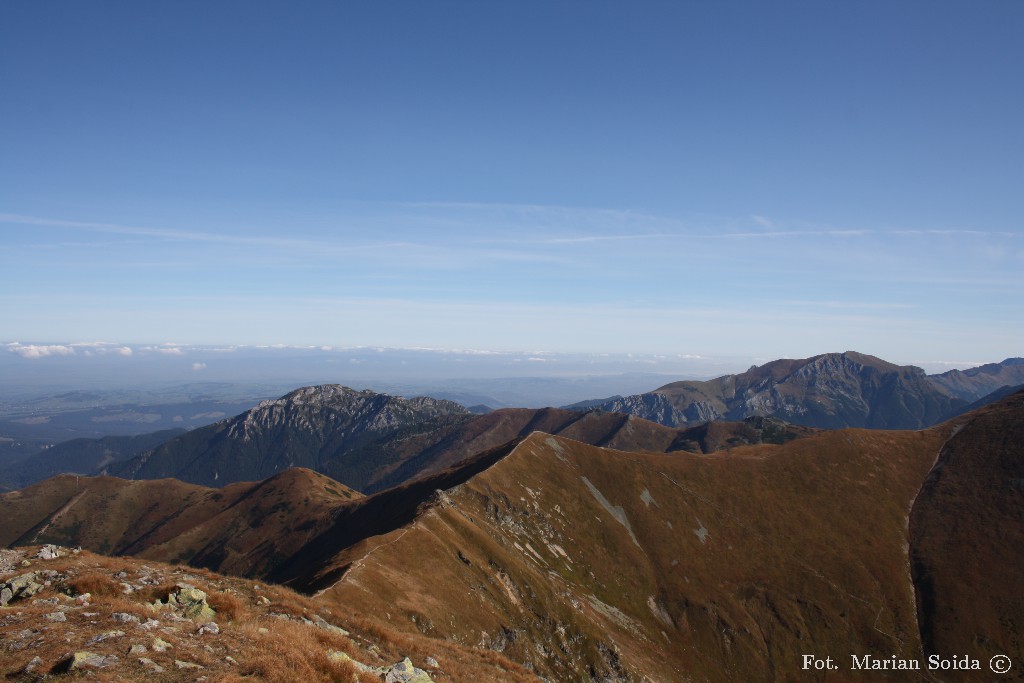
x,y
966,534
84,456
832,391
245,528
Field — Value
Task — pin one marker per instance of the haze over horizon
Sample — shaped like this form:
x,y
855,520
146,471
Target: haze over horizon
x,y
724,181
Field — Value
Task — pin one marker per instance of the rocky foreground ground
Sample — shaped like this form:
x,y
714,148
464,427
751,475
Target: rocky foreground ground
x,y
67,613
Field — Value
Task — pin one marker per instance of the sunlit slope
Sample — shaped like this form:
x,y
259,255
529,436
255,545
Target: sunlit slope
x,y
584,561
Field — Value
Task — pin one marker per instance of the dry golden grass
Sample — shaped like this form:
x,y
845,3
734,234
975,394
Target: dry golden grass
x,y
96,584
228,606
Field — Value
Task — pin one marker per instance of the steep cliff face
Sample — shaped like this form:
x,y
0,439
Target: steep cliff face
x,y
832,390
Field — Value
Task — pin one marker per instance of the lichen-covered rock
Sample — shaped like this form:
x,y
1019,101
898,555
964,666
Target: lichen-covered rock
x,y
160,645
89,660
20,587
405,672
189,601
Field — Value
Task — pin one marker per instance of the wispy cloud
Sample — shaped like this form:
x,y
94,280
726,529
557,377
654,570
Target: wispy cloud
x,y
854,305
195,236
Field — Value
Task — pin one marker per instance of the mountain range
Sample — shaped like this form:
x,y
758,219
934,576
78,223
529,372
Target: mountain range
x,y
367,440
830,391
371,441
557,544
586,562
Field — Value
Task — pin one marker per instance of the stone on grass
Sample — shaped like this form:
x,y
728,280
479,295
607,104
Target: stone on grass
x,y
160,645
89,660
405,672
150,665
187,665
211,627
327,626
104,636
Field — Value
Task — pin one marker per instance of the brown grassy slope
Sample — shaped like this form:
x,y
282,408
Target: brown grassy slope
x,y
264,632
245,528
730,568
967,531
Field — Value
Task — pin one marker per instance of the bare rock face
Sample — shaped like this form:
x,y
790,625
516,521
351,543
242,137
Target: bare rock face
x,y
653,407
305,428
834,390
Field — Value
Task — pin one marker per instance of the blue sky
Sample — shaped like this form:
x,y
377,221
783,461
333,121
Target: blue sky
x,y
741,179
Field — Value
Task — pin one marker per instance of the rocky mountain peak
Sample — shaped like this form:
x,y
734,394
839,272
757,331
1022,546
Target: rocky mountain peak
x,y
338,396
830,390
319,395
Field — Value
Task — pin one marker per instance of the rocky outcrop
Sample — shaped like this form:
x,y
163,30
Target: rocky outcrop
x,y
309,427
20,587
405,672
831,391
187,600
653,407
